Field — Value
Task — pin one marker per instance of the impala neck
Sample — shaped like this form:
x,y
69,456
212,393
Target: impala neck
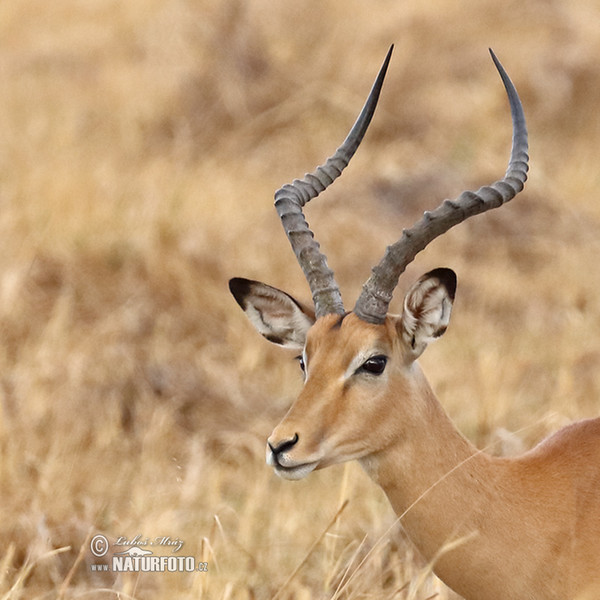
x,y
438,483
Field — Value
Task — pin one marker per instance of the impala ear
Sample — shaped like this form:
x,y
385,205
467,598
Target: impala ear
x,y
427,308
276,315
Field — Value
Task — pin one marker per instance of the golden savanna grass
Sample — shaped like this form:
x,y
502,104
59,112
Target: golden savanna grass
x,y
140,145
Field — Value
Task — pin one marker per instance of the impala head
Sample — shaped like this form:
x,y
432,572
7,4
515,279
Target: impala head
x,y
362,384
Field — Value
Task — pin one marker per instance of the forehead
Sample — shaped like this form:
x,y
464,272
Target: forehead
x,y
347,333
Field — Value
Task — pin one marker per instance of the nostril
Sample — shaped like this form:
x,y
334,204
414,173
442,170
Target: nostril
x,y
283,445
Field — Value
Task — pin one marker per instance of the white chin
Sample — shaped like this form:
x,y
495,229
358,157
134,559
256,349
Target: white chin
x,y
294,473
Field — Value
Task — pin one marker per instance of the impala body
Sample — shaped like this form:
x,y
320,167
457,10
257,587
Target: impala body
x,y
494,528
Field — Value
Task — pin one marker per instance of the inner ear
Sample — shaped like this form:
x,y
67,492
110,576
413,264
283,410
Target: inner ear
x,y
276,315
427,310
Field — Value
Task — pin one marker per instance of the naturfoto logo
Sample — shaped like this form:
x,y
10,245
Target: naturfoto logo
x,y
137,557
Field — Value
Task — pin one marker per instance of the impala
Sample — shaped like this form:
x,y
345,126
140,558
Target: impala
x,y
495,528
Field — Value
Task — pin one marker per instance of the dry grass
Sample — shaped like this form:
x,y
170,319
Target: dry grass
x,y
140,144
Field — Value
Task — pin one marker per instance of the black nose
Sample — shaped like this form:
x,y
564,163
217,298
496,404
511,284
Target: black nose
x,y
283,445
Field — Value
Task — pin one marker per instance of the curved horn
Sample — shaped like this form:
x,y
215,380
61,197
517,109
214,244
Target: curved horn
x,y
290,199
372,304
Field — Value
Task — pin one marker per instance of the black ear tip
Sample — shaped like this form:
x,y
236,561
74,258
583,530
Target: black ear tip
x,y
234,283
240,288
447,278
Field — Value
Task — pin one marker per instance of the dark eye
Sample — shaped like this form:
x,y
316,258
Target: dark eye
x,y
374,365
301,362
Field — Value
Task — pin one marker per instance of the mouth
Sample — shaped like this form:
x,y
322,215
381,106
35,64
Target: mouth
x,y
294,472
286,468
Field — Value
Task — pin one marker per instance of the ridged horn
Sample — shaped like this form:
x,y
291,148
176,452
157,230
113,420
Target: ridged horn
x,y
372,304
291,198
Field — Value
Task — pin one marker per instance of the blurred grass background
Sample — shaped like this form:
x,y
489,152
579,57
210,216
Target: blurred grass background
x,y
140,146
